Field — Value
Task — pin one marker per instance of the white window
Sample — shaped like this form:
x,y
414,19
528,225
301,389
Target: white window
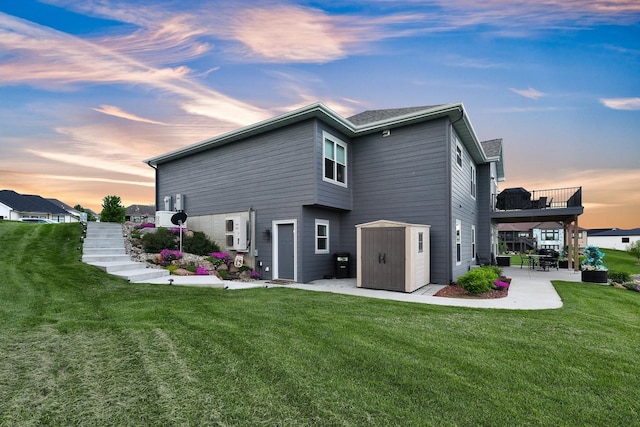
x,y
420,242
458,242
334,167
458,154
473,242
473,181
322,236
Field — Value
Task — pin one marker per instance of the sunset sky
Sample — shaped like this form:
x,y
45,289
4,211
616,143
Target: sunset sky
x,y
91,88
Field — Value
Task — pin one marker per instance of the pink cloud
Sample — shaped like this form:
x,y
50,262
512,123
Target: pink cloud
x,y
621,103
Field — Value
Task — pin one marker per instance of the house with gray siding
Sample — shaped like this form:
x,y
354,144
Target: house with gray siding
x,y
296,186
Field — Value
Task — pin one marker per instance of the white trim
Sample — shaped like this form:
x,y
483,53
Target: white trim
x,y
274,246
324,222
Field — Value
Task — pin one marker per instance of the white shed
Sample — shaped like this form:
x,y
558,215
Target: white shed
x,y
392,256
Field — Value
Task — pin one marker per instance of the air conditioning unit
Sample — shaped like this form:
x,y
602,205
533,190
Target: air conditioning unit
x,y
236,233
163,219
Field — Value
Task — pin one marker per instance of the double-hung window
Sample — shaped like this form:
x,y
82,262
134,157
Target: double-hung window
x,y
322,236
335,160
474,185
473,242
458,155
458,242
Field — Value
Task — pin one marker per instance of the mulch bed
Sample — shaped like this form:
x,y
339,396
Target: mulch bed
x,y
455,291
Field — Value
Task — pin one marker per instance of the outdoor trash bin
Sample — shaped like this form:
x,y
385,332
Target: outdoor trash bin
x,y
343,266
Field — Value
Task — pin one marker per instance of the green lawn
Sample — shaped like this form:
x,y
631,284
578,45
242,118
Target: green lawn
x,y
78,347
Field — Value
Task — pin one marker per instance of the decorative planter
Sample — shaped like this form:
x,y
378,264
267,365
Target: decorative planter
x,y
563,263
594,276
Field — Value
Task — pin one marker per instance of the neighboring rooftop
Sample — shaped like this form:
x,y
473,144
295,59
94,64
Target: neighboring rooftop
x,y
29,203
616,232
372,116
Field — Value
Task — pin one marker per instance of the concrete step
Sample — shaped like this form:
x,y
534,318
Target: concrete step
x,y
119,266
103,251
141,274
90,259
103,243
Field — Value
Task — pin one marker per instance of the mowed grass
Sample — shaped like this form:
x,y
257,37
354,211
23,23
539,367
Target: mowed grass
x,y
79,347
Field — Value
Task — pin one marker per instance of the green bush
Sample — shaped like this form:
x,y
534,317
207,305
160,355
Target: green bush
x,y
199,244
478,280
161,239
619,276
496,269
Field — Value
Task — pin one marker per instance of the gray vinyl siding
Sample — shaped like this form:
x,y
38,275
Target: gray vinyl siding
x,y
271,173
316,266
483,233
268,170
463,207
403,177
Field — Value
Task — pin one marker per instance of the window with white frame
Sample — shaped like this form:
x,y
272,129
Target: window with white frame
x,y
458,154
458,242
473,242
420,242
334,152
322,236
474,186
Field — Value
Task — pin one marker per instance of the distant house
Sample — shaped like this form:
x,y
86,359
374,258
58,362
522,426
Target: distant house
x,y
614,238
140,213
14,206
288,192
521,237
76,215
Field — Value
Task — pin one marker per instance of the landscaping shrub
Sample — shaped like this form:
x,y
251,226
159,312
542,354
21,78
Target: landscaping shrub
x,y
619,276
161,239
199,244
478,280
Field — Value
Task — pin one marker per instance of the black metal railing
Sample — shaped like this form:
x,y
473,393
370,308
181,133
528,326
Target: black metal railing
x,y
519,198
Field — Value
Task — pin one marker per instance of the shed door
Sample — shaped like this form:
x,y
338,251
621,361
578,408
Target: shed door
x,y
383,258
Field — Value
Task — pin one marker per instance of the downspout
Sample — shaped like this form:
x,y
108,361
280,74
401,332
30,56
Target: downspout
x,y
155,176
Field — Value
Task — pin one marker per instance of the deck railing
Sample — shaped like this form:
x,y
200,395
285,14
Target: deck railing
x,y
519,198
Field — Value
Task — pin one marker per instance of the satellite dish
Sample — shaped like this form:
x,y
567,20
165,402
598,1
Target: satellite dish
x,y
179,218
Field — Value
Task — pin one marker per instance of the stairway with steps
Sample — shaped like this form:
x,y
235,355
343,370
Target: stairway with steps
x,y
104,248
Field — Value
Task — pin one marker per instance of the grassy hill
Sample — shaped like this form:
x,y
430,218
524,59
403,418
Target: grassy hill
x,y
79,347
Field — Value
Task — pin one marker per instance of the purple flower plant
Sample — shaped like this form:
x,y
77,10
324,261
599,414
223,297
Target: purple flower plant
x,y
500,285
201,271
170,255
254,274
219,255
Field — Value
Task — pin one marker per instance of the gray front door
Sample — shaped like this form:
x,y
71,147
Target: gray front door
x,y
383,258
286,255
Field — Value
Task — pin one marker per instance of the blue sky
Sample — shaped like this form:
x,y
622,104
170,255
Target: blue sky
x,y
90,88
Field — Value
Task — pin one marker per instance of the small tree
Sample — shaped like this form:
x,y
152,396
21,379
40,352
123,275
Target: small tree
x,y
112,210
634,249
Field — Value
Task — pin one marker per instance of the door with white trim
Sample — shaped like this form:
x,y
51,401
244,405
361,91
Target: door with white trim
x,y
284,250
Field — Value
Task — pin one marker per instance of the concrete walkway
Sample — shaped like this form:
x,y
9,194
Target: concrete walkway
x,y
529,290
